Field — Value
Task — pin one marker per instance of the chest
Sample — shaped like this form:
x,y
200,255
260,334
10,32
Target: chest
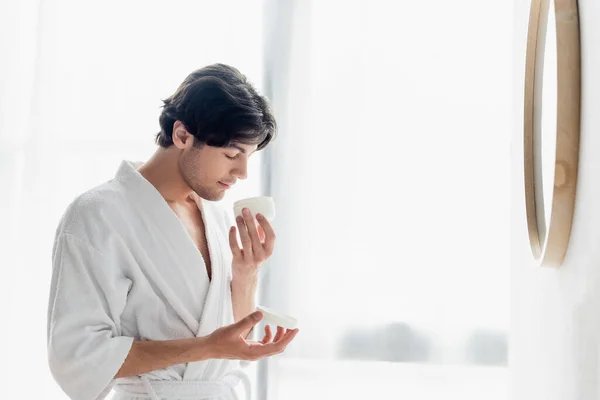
x,y
191,218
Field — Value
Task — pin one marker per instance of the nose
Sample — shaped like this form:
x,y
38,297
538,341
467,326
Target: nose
x,y
241,170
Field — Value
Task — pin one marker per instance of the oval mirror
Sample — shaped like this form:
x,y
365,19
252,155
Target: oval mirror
x,y
552,122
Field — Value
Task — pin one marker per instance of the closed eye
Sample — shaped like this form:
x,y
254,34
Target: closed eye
x,y
232,158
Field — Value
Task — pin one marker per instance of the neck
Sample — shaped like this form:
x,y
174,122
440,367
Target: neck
x,y
162,171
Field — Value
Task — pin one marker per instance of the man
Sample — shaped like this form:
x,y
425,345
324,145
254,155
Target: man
x,y
151,294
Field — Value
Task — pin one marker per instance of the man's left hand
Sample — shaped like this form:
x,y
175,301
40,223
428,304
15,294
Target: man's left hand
x,y
257,244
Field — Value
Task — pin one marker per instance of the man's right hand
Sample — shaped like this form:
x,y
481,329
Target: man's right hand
x,y
228,343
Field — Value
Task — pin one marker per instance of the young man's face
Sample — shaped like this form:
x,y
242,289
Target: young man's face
x,y
210,171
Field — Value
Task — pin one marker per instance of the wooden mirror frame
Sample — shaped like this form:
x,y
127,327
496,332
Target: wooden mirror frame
x,y
552,251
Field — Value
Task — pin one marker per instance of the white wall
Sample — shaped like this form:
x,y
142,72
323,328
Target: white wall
x,y
556,313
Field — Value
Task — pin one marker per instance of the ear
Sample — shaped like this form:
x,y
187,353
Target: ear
x,y
181,137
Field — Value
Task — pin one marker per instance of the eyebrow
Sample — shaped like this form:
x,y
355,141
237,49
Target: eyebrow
x,y
235,146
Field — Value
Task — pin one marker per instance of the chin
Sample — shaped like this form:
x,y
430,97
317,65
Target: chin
x,y
211,196
217,196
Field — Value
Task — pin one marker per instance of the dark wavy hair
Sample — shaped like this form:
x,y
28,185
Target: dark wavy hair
x,y
218,106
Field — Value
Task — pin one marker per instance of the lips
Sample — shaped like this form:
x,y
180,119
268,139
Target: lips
x,y
227,184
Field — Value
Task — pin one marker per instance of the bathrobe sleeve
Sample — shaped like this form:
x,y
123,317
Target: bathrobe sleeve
x,y
87,297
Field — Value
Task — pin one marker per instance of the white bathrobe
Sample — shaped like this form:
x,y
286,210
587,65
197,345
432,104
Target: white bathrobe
x,y
125,268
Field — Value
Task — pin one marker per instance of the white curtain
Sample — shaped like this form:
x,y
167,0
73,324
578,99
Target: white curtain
x,y
391,179
80,90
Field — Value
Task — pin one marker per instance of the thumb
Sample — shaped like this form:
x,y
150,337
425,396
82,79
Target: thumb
x,y
248,322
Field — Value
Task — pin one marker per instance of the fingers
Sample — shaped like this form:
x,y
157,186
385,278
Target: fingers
x,y
269,241
247,322
273,348
268,335
257,247
258,241
244,237
279,334
286,339
233,244
261,234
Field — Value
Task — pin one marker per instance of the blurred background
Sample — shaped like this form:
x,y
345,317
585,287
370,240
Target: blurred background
x,y
390,174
